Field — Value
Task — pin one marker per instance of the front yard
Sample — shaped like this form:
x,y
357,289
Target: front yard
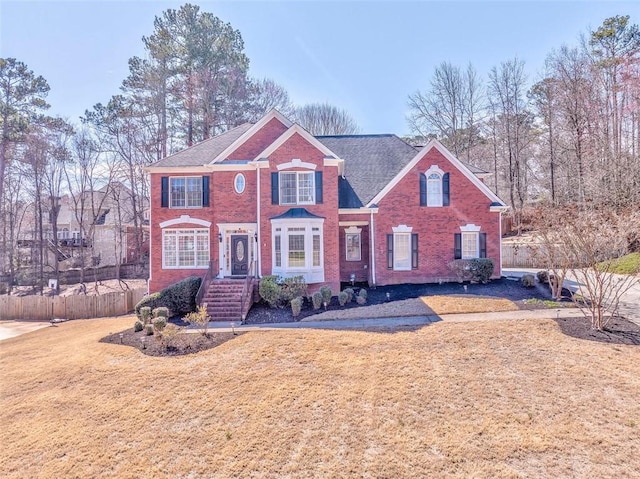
x,y
483,400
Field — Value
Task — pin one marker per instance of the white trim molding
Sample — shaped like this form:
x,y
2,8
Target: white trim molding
x,y
402,229
288,134
185,219
356,211
452,159
296,163
353,223
470,228
434,169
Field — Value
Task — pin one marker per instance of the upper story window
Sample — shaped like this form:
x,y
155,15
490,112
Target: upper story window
x,y
434,187
239,183
185,192
297,188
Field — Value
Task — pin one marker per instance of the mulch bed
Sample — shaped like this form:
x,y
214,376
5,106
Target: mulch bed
x,y
261,313
617,331
184,343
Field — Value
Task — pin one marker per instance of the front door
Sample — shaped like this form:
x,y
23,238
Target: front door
x,y
239,255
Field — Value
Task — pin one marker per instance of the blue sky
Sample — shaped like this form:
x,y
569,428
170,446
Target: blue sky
x,y
364,56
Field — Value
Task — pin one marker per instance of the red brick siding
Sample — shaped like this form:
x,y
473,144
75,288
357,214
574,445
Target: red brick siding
x,y
298,147
435,226
259,141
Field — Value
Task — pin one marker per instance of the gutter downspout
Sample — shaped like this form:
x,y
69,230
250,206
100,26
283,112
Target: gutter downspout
x,y
259,245
372,242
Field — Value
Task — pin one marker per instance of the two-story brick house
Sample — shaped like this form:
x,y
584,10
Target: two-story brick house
x,y
270,198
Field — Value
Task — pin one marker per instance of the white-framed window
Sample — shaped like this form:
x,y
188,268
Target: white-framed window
x,y
434,186
353,244
297,188
239,183
185,248
402,251
470,247
298,249
185,192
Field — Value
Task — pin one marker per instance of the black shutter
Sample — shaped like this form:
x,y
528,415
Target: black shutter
x,y
423,189
414,251
445,190
274,189
390,251
457,246
164,192
318,187
483,245
205,191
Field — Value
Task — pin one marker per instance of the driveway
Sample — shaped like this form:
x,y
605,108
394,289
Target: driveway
x,y
629,303
11,329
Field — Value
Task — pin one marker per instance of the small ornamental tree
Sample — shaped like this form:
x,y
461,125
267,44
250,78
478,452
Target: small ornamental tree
x,y
200,317
584,245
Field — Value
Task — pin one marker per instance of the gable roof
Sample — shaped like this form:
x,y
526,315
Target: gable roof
x,y
371,162
204,152
295,128
453,160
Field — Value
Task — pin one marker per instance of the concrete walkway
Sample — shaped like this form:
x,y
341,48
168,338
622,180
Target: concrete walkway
x,y
390,323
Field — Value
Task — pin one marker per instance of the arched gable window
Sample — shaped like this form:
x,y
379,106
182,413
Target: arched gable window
x,y
434,187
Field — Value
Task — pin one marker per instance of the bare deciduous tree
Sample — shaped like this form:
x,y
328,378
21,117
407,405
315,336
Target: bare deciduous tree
x,y
325,119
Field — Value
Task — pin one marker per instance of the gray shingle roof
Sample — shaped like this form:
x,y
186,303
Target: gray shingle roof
x,y
371,161
205,151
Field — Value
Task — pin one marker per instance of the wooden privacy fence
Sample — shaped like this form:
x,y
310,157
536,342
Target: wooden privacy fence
x,y
519,256
69,307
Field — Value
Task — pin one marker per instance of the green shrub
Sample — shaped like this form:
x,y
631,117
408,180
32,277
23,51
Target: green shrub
x,y
149,329
326,293
316,299
543,276
161,312
279,291
270,290
145,315
343,298
528,281
350,293
362,297
296,306
481,269
159,324
292,288
169,335
180,297
137,327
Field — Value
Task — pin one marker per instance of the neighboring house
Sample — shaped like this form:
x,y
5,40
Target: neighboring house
x,y
98,225
270,198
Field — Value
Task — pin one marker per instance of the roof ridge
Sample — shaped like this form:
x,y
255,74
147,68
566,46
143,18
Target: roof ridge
x,y
370,135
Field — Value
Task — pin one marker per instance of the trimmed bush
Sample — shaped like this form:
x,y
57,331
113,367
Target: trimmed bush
x,y
343,298
180,297
145,315
159,324
149,329
161,312
528,281
362,297
350,294
296,306
326,293
316,299
137,327
270,290
279,291
543,276
169,335
292,288
481,269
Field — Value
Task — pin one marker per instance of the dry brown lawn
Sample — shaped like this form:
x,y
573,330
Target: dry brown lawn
x,y
470,400
467,304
